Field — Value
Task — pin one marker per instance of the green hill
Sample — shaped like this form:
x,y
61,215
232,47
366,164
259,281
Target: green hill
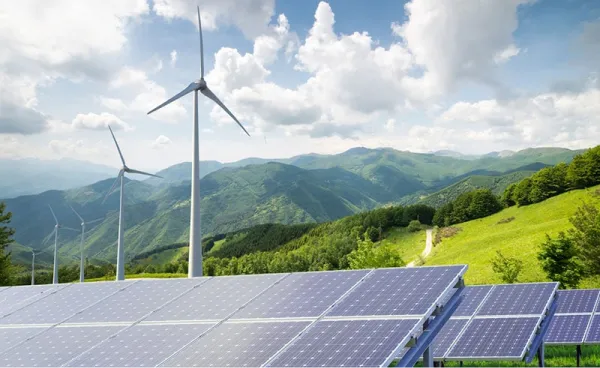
x,y
516,231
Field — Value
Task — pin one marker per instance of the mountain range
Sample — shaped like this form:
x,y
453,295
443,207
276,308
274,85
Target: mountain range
x,y
301,189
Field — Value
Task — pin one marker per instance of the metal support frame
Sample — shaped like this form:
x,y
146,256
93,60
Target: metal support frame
x,y
578,355
541,356
431,328
537,346
428,353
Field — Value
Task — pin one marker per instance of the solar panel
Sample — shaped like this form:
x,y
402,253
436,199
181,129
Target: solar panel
x,y
10,337
472,298
577,301
399,291
302,295
17,297
518,299
141,298
55,346
593,335
216,298
489,338
237,344
569,329
446,336
60,306
141,345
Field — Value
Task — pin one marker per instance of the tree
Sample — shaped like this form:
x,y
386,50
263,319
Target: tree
x,y
584,169
522,191
483,203
560,261
367,255
586,236
6,234
507,267
372,234
508,196
414,226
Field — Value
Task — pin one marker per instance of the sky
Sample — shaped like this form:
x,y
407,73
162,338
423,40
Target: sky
x,y
308,76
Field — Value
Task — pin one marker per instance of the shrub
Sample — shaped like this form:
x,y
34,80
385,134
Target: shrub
x,y
508,268
414,226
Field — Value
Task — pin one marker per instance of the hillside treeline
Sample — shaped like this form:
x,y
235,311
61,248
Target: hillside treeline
x,y
468,206
582,172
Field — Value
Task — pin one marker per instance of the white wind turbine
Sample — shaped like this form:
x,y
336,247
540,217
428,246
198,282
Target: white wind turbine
x,y
83,223
195,250
33,254
55,231
120,177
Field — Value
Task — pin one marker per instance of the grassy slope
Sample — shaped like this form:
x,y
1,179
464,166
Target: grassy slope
x,y
479,240
410,245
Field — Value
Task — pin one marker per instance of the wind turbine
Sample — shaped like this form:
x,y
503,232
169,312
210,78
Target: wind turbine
x,y
120,177
83,223
195,250
33,254
55,231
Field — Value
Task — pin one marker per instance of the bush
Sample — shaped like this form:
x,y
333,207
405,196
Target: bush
x,y
507,267
414,226
372,234
367,255
586,236
560,261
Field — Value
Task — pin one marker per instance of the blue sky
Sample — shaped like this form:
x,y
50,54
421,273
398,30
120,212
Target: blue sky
x,y
468,75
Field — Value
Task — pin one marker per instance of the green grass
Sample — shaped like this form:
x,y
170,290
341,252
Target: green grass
x,y
556,356
477,242
410,245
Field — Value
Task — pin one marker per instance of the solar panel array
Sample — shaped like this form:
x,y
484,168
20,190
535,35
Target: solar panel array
x,y
577,319
494,322
334,318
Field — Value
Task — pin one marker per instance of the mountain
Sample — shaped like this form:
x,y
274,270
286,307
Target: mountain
x,y
305,189
33,176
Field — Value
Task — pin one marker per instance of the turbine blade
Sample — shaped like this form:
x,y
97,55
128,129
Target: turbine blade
x,y
116,144
112,188
76,213
69,228
201,45
208,93
193,86
53,215
48,237
94,221
132,171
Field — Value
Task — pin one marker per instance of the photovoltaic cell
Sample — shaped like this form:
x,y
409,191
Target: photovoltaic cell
x,y
302,295
237,345
141,345
17,297
10,337
61,305
472,298
56,346
139,299
518,299
494,337
358,343
446,336
593,335
567,329
577,301
215,299
398,291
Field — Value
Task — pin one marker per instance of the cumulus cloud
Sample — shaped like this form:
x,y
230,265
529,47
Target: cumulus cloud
x,y
390,125
173,55
161,142
100,121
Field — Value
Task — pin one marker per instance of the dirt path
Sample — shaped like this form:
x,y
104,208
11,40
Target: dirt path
x,y
428,247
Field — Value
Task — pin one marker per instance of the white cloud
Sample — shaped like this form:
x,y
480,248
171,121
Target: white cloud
x,y
390,125
114,104
161,142
506,54
173,55
249,16
101,121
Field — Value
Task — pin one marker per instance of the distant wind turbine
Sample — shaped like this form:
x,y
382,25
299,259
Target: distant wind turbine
x,y
33,254
83,223
55,231
195,250
120,177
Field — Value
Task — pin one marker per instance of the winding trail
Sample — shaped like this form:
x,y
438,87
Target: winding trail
x,y
428,247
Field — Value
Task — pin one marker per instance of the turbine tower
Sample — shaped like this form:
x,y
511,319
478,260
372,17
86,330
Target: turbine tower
x,y
83,223
33,254
55,231
195,250
120,177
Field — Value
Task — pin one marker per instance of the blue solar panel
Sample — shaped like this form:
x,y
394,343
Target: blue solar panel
x,y
61,305
399,291
495,338
577,301
302,295
518,299
357,343
472,297
10,337
141,345
444,339
567,329
18,297
216,298
237,345
55,346
138,300
593,335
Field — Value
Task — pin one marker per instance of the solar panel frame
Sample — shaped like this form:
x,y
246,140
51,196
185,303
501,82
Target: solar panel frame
x,y
567,304
557,322
34,293
17,335
590,313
